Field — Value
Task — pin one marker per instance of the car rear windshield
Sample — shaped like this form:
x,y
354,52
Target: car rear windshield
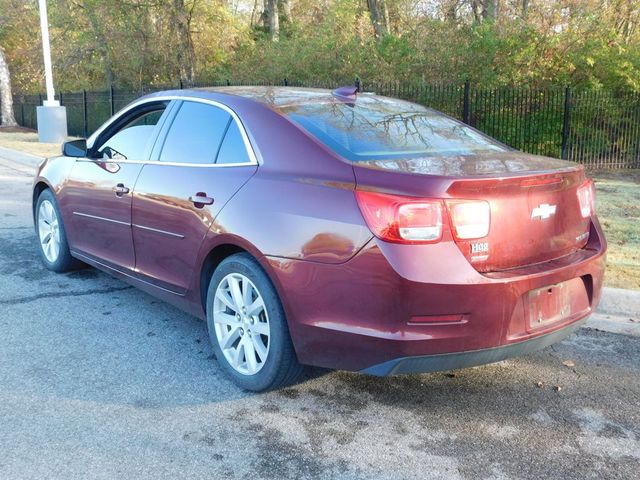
x,y
374,128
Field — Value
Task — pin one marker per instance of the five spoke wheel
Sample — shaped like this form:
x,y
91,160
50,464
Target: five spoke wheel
x,y
241,324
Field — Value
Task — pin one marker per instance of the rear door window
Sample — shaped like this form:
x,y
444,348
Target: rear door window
x,y
233,149
195,134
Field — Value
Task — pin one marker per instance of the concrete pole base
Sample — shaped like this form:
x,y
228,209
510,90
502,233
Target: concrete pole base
x,y
52,124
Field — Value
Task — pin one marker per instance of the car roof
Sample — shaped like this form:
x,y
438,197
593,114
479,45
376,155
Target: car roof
x,y
275,96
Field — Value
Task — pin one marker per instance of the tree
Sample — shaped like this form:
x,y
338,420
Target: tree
x,y
270,19
284,11
6,97
485,10
186,57
379,17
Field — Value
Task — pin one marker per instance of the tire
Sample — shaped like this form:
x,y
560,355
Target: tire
x,y
48,219
261,329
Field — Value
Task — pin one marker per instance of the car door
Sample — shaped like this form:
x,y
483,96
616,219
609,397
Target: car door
x,y
99,189
203,158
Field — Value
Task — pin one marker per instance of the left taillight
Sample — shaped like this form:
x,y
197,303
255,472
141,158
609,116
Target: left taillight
x,y
400,219
587,198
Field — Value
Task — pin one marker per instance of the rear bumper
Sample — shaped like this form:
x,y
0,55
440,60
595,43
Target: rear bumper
x,y
401,308
450,361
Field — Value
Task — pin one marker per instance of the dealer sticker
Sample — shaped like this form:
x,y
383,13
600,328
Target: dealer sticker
x,y
480,247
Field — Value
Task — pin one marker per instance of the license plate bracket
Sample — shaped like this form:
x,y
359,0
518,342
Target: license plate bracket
x,y
555,303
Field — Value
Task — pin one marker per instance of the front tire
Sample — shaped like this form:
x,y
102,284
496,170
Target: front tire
x,y
52,237
248,328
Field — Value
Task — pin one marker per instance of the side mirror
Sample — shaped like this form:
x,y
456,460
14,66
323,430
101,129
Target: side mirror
x,y
75,148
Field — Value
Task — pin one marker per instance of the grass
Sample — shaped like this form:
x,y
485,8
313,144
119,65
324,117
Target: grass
x,y
26,140
618,207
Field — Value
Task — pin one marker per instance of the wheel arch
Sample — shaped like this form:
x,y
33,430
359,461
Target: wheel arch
x,y
223,249
39,187
211,261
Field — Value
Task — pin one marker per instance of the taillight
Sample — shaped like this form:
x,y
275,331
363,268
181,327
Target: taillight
x,y
470,218
587,198
400,219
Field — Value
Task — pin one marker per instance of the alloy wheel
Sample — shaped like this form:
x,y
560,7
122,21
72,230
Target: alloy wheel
x,y
49,231
241,324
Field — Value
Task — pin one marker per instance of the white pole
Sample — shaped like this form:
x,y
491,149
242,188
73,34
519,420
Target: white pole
x,y
46,51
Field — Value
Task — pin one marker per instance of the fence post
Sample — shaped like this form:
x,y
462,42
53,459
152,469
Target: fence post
x,y
60,94
466,103
111,101
566,123
22,111
181,84
85,117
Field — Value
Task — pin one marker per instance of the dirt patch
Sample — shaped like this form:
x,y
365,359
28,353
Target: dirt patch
x,y
16,130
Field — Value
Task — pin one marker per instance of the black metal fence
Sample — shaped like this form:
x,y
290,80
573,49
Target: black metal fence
x,y
600,129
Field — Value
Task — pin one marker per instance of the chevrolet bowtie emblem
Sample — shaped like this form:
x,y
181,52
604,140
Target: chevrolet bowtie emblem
x,y
543,211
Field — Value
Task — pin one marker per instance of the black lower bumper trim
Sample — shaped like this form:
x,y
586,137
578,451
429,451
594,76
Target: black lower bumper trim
x,y
450,361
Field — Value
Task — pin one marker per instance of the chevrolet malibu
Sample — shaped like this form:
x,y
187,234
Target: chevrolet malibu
x,y
338,229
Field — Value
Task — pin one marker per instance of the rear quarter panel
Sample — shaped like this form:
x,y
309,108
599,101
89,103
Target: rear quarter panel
x,y
300,203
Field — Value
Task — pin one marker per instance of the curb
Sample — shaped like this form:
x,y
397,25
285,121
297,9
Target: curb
x,y
620,302
618,312
613,324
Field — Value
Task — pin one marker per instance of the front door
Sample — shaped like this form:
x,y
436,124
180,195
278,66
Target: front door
x,y
202,162
99,189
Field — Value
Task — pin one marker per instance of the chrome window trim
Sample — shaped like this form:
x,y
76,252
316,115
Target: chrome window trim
x,y
169,164
253,159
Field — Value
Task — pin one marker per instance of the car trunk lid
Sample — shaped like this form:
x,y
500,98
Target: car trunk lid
x,y
534,206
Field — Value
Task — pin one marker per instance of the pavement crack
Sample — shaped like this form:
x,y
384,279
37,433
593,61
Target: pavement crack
x,y
19,300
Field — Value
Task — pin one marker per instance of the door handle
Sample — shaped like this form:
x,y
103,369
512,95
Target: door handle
x,y
120,189
200,199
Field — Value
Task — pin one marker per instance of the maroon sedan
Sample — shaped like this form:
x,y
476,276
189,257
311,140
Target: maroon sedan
x,y
337,229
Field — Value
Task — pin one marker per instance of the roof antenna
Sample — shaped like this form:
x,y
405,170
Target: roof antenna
x,y
348,93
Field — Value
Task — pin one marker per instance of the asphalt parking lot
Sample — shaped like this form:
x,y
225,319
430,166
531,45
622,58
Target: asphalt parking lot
x,y
99,380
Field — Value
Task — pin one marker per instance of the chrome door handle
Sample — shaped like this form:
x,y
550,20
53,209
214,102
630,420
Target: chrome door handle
x,y
200,199
120,189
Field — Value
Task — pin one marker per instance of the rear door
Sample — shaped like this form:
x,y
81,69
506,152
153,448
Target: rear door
x,y
98,190
201,159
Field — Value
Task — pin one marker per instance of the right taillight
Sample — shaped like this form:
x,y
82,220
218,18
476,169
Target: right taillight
x,y
587,199
469,218
401,219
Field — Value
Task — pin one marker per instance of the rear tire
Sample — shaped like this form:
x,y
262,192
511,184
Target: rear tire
x,y
52,237
248,328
